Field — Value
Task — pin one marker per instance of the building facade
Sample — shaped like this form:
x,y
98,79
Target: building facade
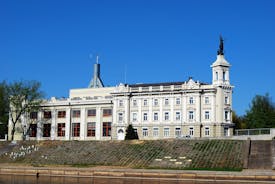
x,y
156,111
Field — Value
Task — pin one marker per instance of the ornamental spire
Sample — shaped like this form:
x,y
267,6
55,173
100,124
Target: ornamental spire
x,y
220,51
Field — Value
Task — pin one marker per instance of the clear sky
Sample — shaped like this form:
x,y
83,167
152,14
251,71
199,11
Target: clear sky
x,y
138,41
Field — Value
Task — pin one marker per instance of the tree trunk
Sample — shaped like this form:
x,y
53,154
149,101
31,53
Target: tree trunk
x,y
12,132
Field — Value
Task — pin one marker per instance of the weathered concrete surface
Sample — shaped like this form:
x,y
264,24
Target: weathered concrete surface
x,y
260,156
180,175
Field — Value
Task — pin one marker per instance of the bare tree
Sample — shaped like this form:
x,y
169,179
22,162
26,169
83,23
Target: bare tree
x,y
24,97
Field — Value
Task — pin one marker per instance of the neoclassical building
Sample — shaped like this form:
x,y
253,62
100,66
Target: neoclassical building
x,y
156,111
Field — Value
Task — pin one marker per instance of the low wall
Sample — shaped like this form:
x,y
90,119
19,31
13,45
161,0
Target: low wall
x,y
141,174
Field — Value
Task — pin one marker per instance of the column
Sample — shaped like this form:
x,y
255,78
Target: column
x,y
68,124
98,128
39,133
83,126
53,125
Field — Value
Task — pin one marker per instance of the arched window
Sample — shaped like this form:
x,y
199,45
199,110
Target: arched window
x,y
217,76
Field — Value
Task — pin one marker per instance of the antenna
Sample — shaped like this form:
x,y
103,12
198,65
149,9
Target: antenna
x,y
97,59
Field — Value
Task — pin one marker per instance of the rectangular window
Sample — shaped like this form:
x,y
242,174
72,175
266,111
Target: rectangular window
x,y
33,115
145,132
177,132
156,102
177,116
191,131
75,129
120,103
166,101
61,114
155,131
91,112
46,130
134,117
156,116
166,132
191,100
145,102
134,103
107,129
91,129
61,129
166,116
217,76
76,113
107,112
206,115
206,131
33,130
226,101
206,100
47,114
226,115
177,101
191,115
223,76
145,116
120,117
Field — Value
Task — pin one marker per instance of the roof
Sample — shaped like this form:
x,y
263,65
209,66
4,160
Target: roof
x,y
160,84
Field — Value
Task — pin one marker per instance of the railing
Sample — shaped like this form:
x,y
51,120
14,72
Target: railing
x,y
259,131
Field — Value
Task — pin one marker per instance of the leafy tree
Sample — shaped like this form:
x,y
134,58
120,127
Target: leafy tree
x,y
24,97
239,121
4,109
261,113
131,133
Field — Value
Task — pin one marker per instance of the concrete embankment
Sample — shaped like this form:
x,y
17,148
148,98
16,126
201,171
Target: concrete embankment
x,y
180,175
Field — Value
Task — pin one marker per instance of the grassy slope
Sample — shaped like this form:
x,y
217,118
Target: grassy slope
x,y
164,154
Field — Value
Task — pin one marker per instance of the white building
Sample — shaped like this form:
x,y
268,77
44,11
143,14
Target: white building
x,y
156,111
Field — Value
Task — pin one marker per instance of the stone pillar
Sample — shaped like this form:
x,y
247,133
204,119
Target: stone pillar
x,y
53,124
68,123
83,125
39,133
98,123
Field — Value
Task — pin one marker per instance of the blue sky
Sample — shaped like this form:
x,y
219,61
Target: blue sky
x,y
152,40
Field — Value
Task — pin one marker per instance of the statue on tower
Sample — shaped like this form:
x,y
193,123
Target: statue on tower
x,y
220,51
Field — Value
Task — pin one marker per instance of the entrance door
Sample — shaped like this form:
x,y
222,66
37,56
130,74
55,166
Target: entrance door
x,y
120,135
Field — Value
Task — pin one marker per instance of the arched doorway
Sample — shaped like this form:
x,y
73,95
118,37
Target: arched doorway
x,y
120,134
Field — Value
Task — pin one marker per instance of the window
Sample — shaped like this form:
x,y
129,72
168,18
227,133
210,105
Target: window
x,y
134,103
166,132
177,101
206,131
166,116
177,116
107,129
206,100
75,129
145,102
61,129
134,116
155,132
206,115
191,115
226,115
33,130
191,131
33,115
217,76
107,112
156,102
145,116
61,114
120,117
191,100
145,132
226,100
120,103
91,129
91,112
156,116
223,76
76,113
178,132
47,114
47,130
166,101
